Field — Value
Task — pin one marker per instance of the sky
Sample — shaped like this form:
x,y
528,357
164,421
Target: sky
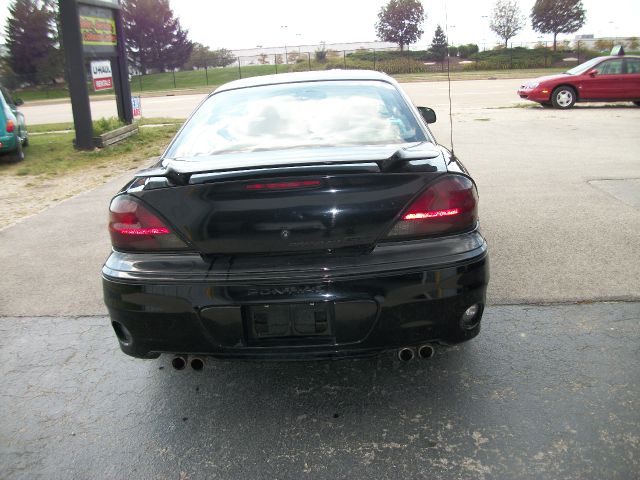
x,y
241,24
246,24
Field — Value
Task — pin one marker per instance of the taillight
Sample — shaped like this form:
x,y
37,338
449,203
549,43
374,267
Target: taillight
x,y
283,185
11,126
134,227
448,206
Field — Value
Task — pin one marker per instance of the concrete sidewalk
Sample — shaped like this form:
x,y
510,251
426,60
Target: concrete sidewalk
x,y
51,261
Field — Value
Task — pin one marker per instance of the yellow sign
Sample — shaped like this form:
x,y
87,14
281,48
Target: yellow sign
x,y
98,31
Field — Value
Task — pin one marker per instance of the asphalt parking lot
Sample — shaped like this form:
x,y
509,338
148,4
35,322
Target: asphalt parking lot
x,y
550,389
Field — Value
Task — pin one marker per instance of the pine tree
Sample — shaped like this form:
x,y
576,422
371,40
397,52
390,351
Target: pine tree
x,y
155,39
439,44
557,16
32,41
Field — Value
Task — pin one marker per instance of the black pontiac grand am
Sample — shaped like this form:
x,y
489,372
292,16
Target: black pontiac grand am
x,y
298,216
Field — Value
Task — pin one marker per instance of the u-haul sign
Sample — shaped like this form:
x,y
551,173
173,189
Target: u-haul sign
x,y
101,74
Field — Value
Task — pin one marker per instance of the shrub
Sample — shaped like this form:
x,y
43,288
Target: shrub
x,y
602,44
320,55
466,51
402,65
105,125
382,55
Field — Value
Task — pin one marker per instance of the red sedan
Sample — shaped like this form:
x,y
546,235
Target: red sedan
x,y
601,79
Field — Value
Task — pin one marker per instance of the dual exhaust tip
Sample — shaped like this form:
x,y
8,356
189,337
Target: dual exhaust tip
x,y
406,354
180,362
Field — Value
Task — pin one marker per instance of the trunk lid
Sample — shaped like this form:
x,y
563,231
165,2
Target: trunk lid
x,y
326,205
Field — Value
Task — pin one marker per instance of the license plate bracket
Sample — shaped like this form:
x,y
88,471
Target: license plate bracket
x,y
295,320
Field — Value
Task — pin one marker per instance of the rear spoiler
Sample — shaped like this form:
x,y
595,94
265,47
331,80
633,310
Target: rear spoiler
x,y
184,173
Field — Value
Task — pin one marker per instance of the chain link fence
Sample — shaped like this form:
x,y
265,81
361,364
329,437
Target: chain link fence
x,y
416,60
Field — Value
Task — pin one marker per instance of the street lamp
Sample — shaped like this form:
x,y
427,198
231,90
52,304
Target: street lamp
x,y
299,41
284,27
484,44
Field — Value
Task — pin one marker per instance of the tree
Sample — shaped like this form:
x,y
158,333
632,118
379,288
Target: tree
x,y
32,41
557,16
465,51
506,19
400,21
203,57
199,58
155,39
439,45
222,57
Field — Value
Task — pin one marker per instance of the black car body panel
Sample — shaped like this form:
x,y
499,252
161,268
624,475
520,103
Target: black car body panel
x,y
390,298
287,254
334,212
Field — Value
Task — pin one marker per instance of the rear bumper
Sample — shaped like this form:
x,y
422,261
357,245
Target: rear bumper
x,y
400,294
8,143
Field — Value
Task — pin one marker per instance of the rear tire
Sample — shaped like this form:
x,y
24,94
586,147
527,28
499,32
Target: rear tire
x,y
17,155
637,103
563,97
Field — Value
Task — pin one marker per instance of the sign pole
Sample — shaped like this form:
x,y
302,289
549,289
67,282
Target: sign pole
x,y
93,30
121,73
76,74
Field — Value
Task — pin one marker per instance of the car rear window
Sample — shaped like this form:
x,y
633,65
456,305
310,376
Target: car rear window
x,y
7,96
298,115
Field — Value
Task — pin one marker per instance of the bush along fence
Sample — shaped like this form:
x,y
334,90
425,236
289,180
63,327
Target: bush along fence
x,y
391,61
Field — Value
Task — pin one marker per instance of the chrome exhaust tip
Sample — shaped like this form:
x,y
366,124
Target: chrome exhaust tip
x,y
197,364
405,354
179,362
426,351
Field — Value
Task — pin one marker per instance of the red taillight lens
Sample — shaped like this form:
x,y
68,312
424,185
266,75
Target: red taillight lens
x,y
134,227
448,206
11,126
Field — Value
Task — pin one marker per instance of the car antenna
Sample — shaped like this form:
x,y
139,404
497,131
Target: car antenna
x,y
446,32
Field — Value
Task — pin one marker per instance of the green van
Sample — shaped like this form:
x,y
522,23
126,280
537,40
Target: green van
x,y
13,130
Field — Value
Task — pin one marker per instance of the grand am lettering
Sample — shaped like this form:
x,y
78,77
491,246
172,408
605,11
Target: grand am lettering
x,y
292,290
329,243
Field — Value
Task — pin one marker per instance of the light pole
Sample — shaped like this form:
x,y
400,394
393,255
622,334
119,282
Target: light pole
x,y
284,28
484,44
299,41
259,47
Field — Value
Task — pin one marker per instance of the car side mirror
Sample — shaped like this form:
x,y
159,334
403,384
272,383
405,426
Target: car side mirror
x,y
592,73
18,102
428,114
